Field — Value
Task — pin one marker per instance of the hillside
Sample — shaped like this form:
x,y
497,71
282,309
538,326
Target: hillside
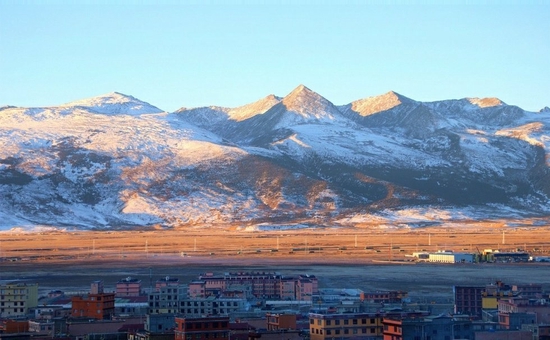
x,y
115,161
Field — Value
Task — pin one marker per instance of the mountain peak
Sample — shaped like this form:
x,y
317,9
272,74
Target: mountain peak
x,y
114,103
384,102
259,107
545,109
486,102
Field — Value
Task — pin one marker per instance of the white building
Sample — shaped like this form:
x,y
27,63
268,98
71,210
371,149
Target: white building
x,y
450,257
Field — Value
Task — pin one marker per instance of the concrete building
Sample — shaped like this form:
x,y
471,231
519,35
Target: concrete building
x,y
96,305
468,300
167,282
256,285
450,257
128,287
17,298
391,296
530,311
203,328
165,299
93,306
365,326
433,328
280,321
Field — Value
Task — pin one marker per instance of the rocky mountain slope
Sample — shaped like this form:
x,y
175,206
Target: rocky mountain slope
x,y
114,161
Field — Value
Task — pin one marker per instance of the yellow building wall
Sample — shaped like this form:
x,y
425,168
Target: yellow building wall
x,y
489,303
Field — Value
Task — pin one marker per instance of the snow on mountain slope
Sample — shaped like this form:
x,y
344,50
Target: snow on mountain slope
x,y
302,105
115,161
250,110
114,103
372,105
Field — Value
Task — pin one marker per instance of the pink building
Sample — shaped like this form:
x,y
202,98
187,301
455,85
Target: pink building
x,y
166,281
128,287
196,289
539,308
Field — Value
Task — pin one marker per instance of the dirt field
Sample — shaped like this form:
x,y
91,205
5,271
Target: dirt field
x,y
351,258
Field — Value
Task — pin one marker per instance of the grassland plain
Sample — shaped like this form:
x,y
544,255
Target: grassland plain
x,y
365,258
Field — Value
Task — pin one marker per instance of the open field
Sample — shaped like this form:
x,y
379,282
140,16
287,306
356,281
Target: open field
x,y
351,245
342,258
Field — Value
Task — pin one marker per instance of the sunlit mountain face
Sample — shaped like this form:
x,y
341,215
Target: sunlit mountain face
x,y
114,161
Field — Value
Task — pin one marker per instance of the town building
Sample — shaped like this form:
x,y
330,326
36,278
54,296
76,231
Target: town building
x,y
391,296
166,298
433,328
451,257
353,325
16,298
128,287
96,305
167,282
280,321
9,326
256,285
514,312
202,328
468,300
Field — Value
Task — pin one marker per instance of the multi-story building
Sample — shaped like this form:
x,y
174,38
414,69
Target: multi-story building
x,y
128,287
352,325
345,326
202,328
211,306
468,300
93,306
166,298
391,296
174,300
531,311
257,285
96,305
8,326
280,321
16,298
167,282
433,328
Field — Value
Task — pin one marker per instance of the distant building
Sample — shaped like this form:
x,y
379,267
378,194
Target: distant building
x,y
352,325
450,257
9,326
256,285
468,300
166,281
433,328
280,321
390,296
17,298
128,287
514,312
202,328
96,305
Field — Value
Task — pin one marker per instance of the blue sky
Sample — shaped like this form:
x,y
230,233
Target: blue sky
x,y
230,53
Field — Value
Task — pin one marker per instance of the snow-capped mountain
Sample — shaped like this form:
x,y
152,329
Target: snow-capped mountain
x,y
115,161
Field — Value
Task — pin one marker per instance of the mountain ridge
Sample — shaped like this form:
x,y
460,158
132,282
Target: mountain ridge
x,y
117,161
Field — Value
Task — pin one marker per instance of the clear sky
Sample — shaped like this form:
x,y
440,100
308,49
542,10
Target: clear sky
x,y
230,53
